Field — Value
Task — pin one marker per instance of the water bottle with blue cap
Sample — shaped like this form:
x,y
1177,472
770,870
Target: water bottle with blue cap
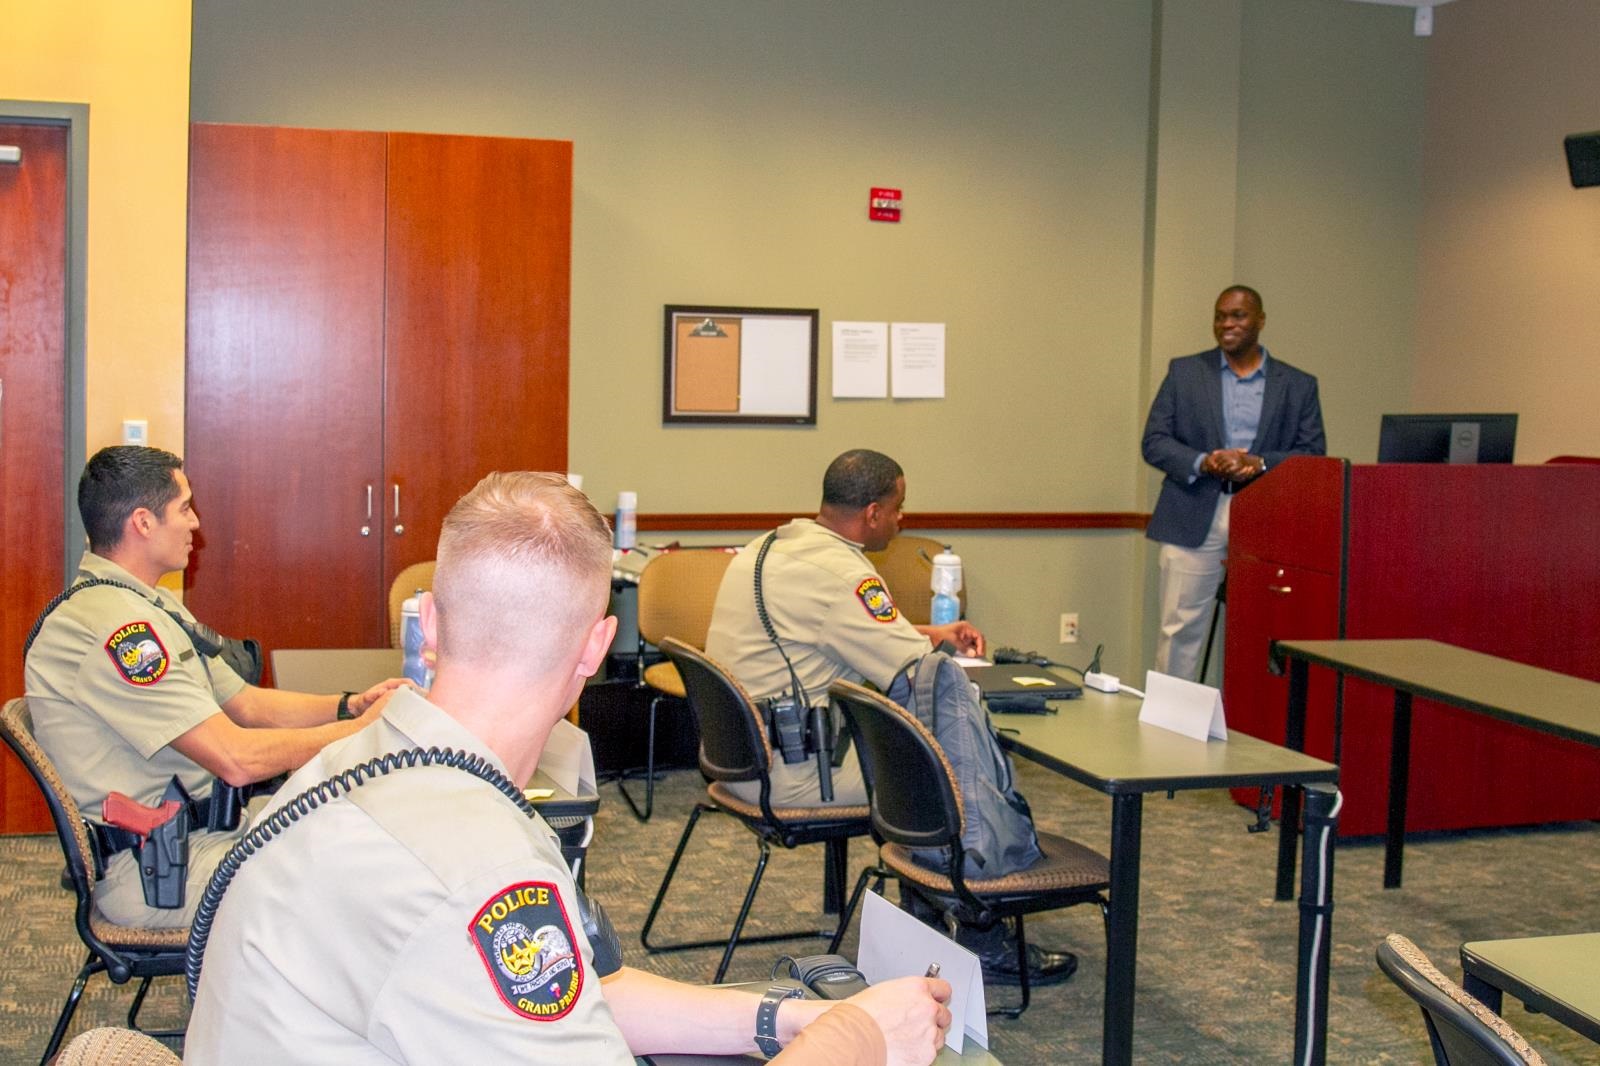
x,y
945,582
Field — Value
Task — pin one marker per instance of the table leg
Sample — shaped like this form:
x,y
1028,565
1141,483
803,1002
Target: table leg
x,y
1399,783
1482,991
1316,927
1122,929
1289,814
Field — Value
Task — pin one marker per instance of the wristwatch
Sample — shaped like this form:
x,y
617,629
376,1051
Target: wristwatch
x,y
767,1017
343,714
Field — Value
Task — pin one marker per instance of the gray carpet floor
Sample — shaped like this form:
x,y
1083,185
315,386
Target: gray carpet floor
x,y
1216,953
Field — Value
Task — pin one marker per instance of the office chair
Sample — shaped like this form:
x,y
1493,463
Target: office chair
x,y
916,803
405,584
120,952
116,1047
734,747
1463,1031
906,566
677,591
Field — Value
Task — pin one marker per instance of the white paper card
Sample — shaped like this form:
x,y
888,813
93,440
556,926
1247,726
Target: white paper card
x,y
916,354
894,944
1185,707
861,360
568,758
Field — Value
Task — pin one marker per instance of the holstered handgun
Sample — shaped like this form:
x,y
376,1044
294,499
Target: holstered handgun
x,y
163,850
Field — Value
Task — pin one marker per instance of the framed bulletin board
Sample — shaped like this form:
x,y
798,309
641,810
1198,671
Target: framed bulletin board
x,y
740,365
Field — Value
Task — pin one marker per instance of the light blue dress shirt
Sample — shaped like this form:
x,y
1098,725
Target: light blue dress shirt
x,y
1241,405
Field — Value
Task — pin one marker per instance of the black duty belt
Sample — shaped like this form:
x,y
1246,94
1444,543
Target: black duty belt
x,y
109,839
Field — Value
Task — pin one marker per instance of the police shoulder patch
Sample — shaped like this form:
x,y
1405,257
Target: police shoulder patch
x,y
138,654
526,943
875,598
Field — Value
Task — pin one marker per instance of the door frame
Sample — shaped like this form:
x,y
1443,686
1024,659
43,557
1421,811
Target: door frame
x,y
75,117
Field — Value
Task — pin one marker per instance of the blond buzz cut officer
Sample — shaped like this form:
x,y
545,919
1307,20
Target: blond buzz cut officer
x,y
433,920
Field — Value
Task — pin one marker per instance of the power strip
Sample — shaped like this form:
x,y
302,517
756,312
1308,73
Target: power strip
x,y
1103,682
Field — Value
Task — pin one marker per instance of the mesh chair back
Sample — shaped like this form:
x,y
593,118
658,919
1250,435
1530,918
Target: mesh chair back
x,y
405,584
905,566
677,591
910,785
1464,1032
16,726
733,744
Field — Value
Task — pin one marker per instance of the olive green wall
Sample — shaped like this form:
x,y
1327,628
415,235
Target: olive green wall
x,y
1330,195
723,155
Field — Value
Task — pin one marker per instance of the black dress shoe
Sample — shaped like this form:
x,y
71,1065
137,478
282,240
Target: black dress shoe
x,y
1044,967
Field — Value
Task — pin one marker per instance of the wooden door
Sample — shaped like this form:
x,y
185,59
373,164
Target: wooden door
x,y
284,383
479,247
33,315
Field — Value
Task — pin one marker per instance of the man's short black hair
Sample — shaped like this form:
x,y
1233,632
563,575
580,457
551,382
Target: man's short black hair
x,y
1248,291
859,477
119,480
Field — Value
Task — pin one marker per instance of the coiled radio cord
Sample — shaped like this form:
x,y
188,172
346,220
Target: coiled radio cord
x,y
335,787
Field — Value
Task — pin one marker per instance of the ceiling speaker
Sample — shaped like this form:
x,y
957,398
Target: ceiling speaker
x,y
1583,158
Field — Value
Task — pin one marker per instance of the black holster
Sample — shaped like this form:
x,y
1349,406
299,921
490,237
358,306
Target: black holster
x,y
164,855
800,732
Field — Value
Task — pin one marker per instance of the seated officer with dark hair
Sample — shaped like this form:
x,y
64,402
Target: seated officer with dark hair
x,y
835,619
829,607
421,916
122,699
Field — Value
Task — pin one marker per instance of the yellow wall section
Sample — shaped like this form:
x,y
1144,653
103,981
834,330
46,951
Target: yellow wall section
x,y
130,63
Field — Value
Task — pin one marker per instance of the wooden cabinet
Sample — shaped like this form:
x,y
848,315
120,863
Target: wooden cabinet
x,y
1498,559
376,320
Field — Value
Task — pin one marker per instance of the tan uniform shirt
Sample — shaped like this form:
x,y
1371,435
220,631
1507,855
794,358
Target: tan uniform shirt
x,y
424,918
112,681
835,619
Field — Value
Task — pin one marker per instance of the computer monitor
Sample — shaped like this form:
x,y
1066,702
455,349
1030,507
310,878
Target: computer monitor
x,y
1447,438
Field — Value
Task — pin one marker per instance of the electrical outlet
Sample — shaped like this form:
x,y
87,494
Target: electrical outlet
x,y
1069,629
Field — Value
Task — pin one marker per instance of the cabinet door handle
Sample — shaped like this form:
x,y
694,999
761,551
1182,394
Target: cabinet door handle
x,y
398,528
1282,590
366,530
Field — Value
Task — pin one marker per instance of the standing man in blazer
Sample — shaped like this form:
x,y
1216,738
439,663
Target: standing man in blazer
x,y
1221,419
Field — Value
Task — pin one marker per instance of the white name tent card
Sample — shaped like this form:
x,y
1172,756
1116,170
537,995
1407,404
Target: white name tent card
x,y
568,758
894,944
1185,707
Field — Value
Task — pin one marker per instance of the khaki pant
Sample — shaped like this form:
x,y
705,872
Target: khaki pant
x,y
1189,580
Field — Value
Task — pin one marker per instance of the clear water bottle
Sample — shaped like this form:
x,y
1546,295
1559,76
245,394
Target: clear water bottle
x,y
626,527
945,582
413,666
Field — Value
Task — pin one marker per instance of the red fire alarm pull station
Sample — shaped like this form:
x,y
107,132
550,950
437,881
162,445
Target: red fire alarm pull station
x,y
884,206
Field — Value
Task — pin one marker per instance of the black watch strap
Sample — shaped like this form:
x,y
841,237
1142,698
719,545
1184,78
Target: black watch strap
x,y
344,714
767,1017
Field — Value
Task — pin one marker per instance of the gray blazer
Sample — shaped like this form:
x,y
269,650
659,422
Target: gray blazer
x,y
1186,421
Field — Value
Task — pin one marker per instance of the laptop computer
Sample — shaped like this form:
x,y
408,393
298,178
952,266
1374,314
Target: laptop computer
x,y
1022,679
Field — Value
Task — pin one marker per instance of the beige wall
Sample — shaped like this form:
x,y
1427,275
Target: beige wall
x,y
130,64
724,152
1330,190
1509,301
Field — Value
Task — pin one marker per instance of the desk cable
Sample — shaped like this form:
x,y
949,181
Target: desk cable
x,y
1321,906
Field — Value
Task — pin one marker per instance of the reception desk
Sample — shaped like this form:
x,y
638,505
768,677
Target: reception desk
x,y
1498,559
